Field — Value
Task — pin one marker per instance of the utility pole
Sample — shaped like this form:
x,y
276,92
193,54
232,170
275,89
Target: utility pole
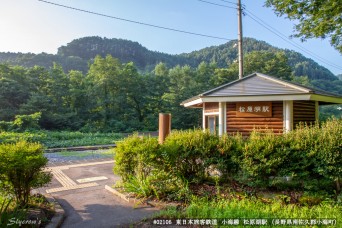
x,y
240,39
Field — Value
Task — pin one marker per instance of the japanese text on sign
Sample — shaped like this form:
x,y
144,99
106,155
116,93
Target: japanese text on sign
x,y
231,222
254,109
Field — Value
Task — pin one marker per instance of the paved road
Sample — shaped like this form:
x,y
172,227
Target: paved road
x,y
86,202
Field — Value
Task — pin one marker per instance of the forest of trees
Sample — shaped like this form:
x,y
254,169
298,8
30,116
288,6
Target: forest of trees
x,y
112,96
100,84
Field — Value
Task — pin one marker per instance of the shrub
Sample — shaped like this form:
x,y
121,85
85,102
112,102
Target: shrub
x,y
329,152
21,169
22,123
139,185
227,157
185,153
8,213
262,156
6,126
308,158
136,156
27,122
141,165
169,186
302,157
148,168
309,155
315,158
311,199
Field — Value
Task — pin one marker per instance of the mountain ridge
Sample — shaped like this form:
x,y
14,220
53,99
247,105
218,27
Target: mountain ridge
x,y
77,54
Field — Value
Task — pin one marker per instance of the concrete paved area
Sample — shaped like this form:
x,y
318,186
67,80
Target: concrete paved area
x,y
62,157
88,204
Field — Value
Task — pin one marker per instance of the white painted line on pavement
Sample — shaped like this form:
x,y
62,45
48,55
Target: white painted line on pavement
x,y
90,179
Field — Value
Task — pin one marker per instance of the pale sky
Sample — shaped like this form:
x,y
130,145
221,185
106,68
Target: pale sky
x,y
35,26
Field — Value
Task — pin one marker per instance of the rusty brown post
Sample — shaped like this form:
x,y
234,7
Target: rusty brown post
x,y
164,126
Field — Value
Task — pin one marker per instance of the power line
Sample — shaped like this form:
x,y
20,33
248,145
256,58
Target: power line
x,y
212,3
225,6
234,3
135,22
253,17
292,42
297,46
286,39
229,2
277,33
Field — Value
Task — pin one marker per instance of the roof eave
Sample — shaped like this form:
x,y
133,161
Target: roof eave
x,y
192,102
326,99
275,97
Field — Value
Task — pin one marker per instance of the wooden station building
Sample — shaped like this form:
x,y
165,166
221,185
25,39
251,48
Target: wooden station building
x,y
259,101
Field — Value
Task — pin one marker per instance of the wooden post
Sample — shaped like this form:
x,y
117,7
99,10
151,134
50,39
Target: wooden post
x,y
164,126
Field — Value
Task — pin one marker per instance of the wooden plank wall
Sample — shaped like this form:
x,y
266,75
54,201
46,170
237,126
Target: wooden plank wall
x,y
304,111
211,107
245,125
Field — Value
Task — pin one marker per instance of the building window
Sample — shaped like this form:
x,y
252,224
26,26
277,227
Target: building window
x,y
212,123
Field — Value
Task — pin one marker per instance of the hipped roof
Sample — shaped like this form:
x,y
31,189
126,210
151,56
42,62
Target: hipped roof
x,y
261,87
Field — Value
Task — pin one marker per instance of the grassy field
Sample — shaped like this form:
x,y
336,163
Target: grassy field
x,y
247,211
53,139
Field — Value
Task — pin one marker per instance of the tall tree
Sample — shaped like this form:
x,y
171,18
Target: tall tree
x,y
224,75
182,86
79,97
204,73
104,75
133,86
57,86
316,18
38,100
275,64
157,84
13,90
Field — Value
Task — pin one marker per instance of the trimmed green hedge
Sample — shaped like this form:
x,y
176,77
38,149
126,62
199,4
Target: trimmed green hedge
x,y
308,158
136,156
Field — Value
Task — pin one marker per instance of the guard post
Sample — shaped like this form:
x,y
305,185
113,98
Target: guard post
x,y
164,126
